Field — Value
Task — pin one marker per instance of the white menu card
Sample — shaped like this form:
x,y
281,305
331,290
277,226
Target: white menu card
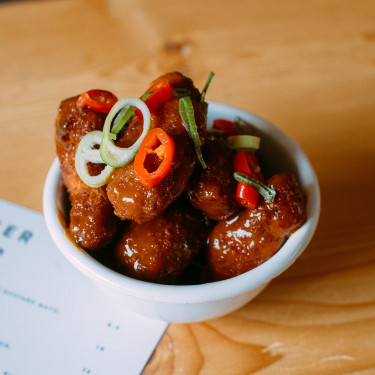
x,y
53,320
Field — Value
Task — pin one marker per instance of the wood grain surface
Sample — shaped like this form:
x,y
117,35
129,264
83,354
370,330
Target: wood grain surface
x,y
307,66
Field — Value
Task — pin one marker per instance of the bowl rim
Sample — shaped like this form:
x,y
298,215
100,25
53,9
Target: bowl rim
x,y
183,294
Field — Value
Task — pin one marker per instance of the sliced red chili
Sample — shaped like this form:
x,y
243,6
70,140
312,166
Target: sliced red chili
x,y
240,163
246,195
157,94
254,165
154,158
225,125
246,162
99,100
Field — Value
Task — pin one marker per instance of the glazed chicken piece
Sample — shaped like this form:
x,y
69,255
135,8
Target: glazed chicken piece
x,y
250,238
160,249
129,197
213,190
92,221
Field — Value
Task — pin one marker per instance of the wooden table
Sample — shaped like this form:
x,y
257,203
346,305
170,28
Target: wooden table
x,y
307,66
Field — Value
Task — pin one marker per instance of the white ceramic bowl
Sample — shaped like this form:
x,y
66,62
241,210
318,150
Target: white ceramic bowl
x,y
190,303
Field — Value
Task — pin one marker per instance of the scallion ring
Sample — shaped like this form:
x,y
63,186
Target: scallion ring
x,y
244,142
117,156
267,192
86,153
186,109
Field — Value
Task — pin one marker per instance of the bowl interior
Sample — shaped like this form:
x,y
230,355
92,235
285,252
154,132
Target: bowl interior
x,y
278,153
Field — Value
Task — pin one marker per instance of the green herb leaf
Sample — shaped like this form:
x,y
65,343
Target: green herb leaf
x,y
186,109
208,82
267,192
122,118
146,95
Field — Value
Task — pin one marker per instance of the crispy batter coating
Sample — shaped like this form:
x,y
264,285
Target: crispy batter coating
x,y
160,249
250,238
92,221
129,197
213,190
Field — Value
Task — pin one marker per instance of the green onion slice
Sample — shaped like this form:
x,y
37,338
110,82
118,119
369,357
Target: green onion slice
x,y
186,109
118,156
267,192
87,153
180,92
244,142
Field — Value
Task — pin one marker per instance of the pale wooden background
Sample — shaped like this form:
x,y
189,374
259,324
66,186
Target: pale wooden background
x,y
307,66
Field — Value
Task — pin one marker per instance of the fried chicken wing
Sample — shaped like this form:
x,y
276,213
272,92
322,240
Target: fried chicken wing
x,y
160,249
213,190
129,197
250,238
92,221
